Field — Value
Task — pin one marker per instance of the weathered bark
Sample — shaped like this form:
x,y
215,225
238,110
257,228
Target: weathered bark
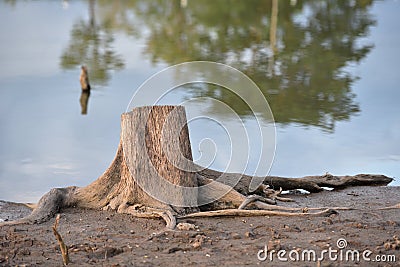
x,y
312,184
149,150
144,131
237,212
158,155
49,205
153,176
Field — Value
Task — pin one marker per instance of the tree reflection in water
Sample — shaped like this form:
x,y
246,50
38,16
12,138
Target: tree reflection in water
x,y
295,51
91,44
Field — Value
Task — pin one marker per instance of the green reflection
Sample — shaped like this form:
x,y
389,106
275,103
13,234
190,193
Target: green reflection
x,y
295,51
91,44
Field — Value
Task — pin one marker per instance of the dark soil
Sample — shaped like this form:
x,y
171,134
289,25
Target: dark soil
x,y
104,238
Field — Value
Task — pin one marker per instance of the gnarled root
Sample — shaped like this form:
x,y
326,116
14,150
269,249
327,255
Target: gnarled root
x,y
274,194
231,204
141,211
253,198
48,206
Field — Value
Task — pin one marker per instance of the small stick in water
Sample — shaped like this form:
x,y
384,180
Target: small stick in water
x,y
84,78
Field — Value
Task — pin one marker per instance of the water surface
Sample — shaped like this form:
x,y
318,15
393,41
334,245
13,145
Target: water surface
x,y
328,69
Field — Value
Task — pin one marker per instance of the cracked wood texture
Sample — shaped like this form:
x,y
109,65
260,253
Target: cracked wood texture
x,y
154,155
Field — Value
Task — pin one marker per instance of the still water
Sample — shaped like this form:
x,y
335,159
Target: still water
x,y
329,70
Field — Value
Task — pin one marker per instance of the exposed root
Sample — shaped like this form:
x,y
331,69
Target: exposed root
x,y
141,156
273,194
397,206
284,199
48,206
264,206
58,198
237,212
253,198
141,211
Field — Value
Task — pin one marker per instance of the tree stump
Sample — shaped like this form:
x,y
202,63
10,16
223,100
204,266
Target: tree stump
x,y
153,167
153,176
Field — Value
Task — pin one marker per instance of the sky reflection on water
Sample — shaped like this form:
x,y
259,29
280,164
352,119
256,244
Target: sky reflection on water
x,y
46,141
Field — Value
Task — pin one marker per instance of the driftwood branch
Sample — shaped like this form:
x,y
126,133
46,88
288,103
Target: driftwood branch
x,y
397,206
312,184
237,212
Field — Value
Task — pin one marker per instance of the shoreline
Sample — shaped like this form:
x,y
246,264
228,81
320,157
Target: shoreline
x,y
107,238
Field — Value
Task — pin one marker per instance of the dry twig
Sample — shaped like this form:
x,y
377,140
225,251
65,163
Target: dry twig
x,y
63,247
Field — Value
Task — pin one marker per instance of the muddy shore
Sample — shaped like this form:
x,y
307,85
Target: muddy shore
x,y
104,238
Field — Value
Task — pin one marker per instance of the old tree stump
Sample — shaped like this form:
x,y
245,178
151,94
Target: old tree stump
x,y
153,176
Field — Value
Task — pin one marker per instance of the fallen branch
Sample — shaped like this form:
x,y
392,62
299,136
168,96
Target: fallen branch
x,y
248,213
397,206
312,184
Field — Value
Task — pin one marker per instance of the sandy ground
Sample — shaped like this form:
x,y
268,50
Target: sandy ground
x,y
104,238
